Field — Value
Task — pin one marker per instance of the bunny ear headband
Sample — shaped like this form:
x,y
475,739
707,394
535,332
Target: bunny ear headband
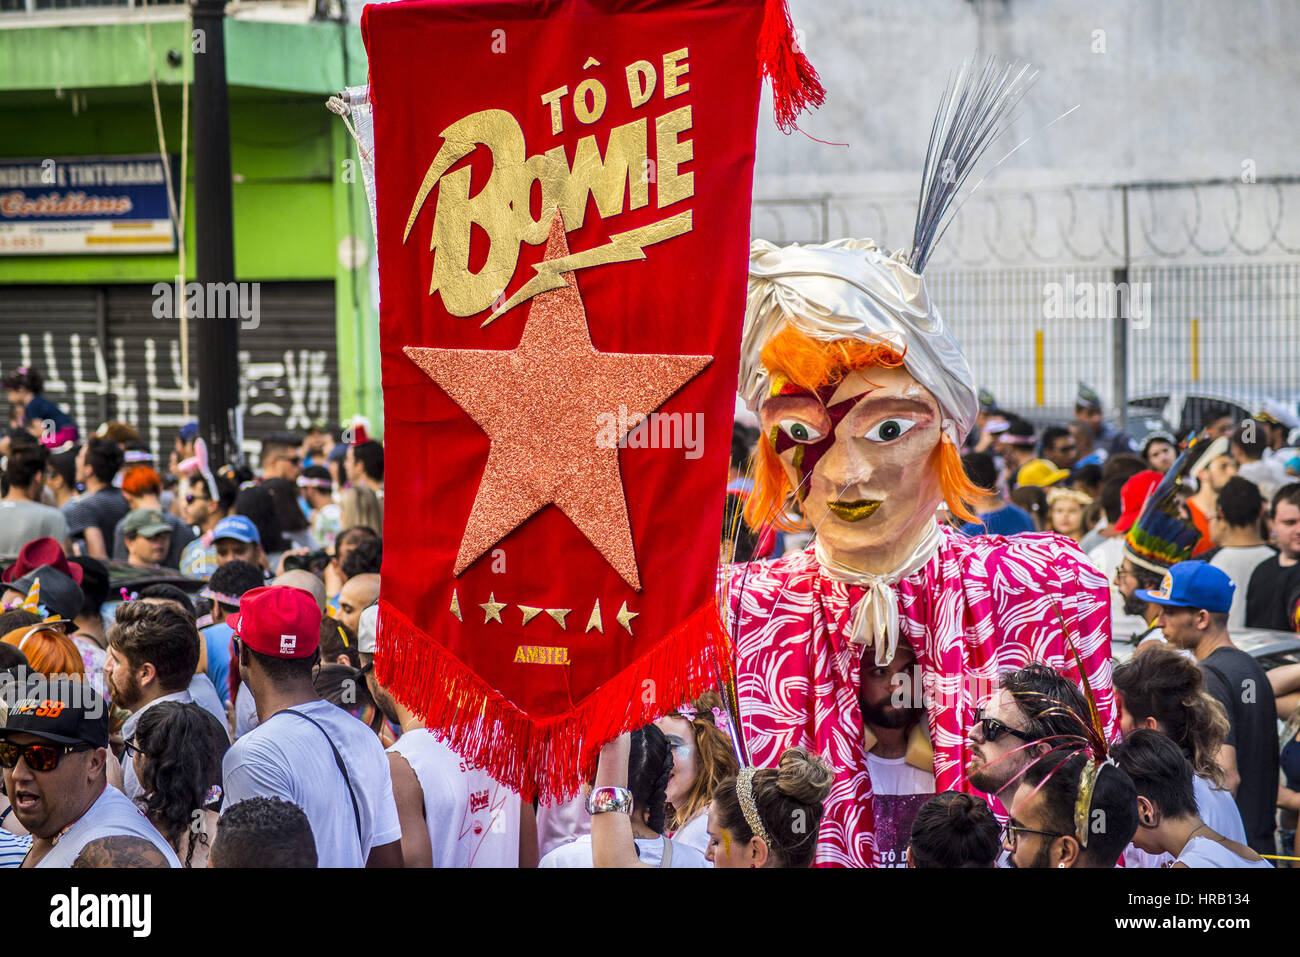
x,y
201,459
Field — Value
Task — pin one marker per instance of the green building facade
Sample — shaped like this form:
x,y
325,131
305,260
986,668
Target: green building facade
x,y
301,222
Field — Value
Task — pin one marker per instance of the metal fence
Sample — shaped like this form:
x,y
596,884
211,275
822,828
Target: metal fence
x,y
1028,281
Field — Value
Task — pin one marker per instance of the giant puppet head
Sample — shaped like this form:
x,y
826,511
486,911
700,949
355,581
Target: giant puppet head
x,y
864,397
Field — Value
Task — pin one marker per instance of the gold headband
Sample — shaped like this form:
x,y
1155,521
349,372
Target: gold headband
x,y
745,792
1083,803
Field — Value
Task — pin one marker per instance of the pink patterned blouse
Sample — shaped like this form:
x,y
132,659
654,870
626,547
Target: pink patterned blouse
x,y
980,607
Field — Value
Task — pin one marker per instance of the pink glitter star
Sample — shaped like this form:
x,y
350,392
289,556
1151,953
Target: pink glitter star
x,y
539,404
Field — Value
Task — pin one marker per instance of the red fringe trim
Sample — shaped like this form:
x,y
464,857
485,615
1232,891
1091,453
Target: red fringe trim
x,y
544,758
795,83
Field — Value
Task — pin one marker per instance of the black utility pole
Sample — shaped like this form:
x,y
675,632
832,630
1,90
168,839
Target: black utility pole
x,y
218,336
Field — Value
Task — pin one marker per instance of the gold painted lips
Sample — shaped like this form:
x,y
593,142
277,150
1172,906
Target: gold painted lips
x,y
854,511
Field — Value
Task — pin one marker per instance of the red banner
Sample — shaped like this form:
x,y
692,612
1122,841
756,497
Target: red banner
x,y
563,213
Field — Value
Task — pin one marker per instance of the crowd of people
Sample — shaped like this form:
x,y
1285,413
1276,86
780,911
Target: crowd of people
x,y
221,708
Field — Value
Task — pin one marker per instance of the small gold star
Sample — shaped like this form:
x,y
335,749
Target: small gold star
x,y
529,612
625,617
455,605
559,614
492,609
594,621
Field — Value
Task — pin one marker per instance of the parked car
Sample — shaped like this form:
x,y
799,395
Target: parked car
x,y
1190,407
1270,648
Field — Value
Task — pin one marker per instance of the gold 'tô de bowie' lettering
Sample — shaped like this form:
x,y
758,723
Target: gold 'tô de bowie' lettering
x,y
502,208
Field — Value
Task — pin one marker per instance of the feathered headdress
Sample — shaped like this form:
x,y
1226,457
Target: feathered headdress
x,y
1165,533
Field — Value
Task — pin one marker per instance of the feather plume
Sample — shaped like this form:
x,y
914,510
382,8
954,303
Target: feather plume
x,y
975,110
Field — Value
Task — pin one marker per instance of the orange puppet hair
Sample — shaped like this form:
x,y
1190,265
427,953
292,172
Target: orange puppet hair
x,y
795,358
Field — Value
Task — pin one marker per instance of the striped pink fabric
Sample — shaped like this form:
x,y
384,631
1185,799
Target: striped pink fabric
x,y
980,607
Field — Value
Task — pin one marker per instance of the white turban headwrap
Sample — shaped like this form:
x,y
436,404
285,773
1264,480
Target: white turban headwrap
x,y
850,289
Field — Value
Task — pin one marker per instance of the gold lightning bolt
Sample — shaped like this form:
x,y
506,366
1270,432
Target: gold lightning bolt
x,y
621,248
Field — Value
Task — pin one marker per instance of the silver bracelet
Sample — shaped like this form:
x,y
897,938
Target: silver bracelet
x,y
602,800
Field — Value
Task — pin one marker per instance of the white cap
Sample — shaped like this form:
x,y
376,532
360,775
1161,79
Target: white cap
x,y
366,630
1280,414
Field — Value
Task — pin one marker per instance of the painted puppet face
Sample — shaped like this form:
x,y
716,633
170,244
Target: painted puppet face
x,y
863,457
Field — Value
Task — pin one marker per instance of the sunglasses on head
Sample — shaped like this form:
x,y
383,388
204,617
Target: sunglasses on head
x,y
39,757
993,729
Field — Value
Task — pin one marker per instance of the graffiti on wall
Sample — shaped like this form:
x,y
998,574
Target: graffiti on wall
x,y
288,392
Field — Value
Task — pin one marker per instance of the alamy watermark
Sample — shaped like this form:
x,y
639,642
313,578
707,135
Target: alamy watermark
x,y
1074,299
658,430
210,300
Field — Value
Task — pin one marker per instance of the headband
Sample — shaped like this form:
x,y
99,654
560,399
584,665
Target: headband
x,y
220,597
719,717
745,792
304,482
1083,803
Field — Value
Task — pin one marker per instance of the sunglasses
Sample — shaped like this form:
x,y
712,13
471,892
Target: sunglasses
x,y
39,757
993,729
191,498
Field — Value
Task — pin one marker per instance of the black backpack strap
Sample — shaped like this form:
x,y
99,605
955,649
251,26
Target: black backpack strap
x,y
338,759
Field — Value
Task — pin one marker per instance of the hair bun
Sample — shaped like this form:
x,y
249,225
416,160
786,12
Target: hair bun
x,y
804,777
965,813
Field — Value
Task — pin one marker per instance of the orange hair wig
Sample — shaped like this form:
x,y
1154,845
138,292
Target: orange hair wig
x,y
49,651
141,480
793,357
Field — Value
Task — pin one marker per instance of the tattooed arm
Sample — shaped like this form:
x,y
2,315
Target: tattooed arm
x,y
121,851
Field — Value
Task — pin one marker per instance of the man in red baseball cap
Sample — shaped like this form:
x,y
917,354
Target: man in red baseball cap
x,y
1134,495
304,749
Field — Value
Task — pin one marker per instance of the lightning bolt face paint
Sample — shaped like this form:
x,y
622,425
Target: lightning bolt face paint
x,y
864,455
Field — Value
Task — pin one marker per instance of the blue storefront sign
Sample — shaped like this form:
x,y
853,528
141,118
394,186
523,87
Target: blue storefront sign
x,y
98,205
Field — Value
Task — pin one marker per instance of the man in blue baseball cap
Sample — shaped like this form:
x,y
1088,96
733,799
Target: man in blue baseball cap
x,y
1194,600
236,537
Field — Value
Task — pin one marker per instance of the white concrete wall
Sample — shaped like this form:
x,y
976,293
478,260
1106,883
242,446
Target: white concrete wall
x,y
1187,89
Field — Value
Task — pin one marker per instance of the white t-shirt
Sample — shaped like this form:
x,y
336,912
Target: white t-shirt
x,y
695,832
1203,852
561,823
1106,557
473,819
1215,807
897,792
288,757
1238,563
112,815
130,784
245,710
650,850
204,694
